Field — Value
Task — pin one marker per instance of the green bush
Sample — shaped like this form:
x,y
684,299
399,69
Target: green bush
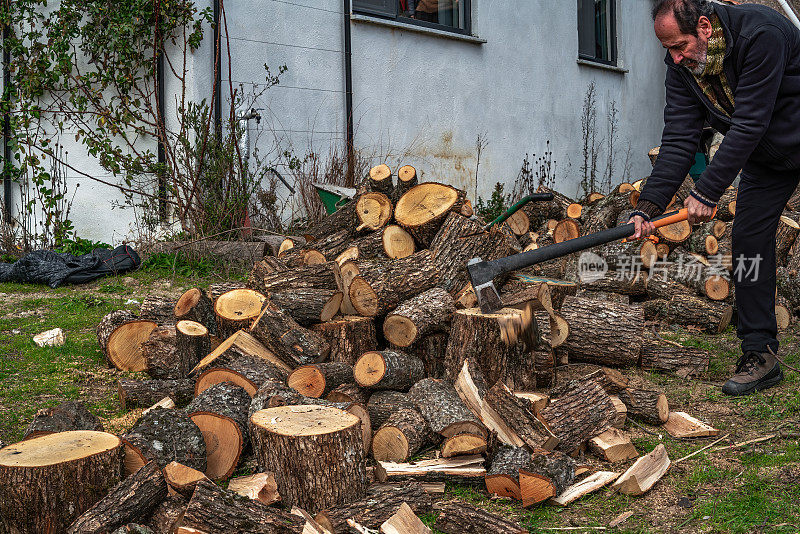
x,y
496,205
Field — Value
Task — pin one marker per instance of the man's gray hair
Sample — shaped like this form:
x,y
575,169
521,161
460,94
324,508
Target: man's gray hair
x,y
687,12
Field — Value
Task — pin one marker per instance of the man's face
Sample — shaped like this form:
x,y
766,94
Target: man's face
x,y
686,49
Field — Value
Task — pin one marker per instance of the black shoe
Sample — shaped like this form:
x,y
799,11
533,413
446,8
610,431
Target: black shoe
x,y
754,371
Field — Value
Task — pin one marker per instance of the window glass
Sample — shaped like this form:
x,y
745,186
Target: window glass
x,y
445,14
596,30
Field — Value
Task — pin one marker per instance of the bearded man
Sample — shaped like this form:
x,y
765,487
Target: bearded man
x,y
736,67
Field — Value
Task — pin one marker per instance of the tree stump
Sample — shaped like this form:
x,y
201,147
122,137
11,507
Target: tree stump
x,y
145,393
429,311
317,380
442,408
388,369
291,342
308,306
349,337
220,412
164,435
132,499
502,478
195,305
424,207
237,309
246,372
69,415
316,453
403,434
46,482
383,404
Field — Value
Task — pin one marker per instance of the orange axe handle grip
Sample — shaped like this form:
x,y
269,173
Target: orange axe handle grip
x,y
681,215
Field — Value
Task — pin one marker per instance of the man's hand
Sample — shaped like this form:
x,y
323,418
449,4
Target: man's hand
x,y
697,211
643,228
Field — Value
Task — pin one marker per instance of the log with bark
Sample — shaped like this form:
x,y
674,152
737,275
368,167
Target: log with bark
x,y
220,412
443,409
69,415
396,242
621,254
320,276
132,499
380,180
342,219
218,289
604,213
317,380
422,210
582,411
349,337
123,347
291,342
296,441
382,404
245,371
388,369
192,344
144,393
428,312
237,309
726,206
709,281
108,324
461,518
549,474
502,478
786,234
159,309
241,345
662,355
349,393
168,516
406,179
713,317
403,434
431,350
47,482
519,415
466,470
164,435
626,282
646,405
160,354
196,305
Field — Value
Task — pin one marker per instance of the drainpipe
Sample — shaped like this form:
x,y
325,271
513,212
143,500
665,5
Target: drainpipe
x,y
216,69
789,12
6,127
348,96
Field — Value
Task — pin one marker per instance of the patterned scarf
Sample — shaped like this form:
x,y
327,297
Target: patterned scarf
x,y
713,81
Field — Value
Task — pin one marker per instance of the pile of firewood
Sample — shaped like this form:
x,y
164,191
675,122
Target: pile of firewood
x,y
344,358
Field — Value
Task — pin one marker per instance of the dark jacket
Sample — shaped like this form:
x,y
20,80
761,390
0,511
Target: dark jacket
x,y
762,64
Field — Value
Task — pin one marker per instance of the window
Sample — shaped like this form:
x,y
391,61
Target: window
x,y
597,32
450,15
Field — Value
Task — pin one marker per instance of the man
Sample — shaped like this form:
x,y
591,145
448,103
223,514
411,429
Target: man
x,y
738,68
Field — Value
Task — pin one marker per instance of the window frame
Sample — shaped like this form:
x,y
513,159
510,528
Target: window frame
x,y
614,37
399,18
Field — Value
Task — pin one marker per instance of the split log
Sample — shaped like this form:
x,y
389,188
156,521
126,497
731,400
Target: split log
x,y
424,207
644,473
195,305
584,487
291,342
246,372
144,393
404,521
548,475
293,441
613,446
713,317
388,369
428,312
467,470
452,249
380,180
403,434
382,286
583,411
158,309
464,444
134,498
519,415
237,309
214,510
320,276
460,518
241,345
349,337
192,344
397,243
622,412
373,210
538,400
502,478
260,487
163,435
168,516
108,324
317,380
442,408
406,179
47,482
182,479
69,415
646,405
683,425
382,404
220,412
658,355
349,393
124,345
377,507
160,354
616,331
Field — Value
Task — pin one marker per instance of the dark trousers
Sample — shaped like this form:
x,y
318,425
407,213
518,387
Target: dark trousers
x,y
760,201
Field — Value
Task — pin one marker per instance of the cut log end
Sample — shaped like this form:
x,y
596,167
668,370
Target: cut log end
x,y
369,369
400,331
397,243
124,347
307,380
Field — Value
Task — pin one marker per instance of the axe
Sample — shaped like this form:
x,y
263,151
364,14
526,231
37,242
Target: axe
x,y
482,273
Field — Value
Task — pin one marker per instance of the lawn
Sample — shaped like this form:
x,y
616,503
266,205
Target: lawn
x,y
755,488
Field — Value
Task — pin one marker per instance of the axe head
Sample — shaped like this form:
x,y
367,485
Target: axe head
x,y
482,276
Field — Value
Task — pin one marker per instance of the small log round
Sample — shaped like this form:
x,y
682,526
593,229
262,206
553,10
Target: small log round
x,y
382,404
403,434
47,482
406,179
246,372
373,210
502,478
565,230
192,344
397,243
316,453
164,435
237,309
317,380
429,311
519,223
196,305
380,179
675,233
388,369
349,337
124,347
69,415
646,405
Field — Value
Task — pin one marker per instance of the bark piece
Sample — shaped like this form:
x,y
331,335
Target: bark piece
x,y
182,479
428,312
237,309
713,317
260,487
647,405
460,518
388,369
163,435
220,412
424,207
69,415
295,441
658,355
613,446
47,482
644,473
583,411
549,474
214,510
589,484
159,309
317,380
246,372
502,478
378,506
291,342
683,425
308,306
133,498
382,404
196,305
144,393
349,337
442,408
519,416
